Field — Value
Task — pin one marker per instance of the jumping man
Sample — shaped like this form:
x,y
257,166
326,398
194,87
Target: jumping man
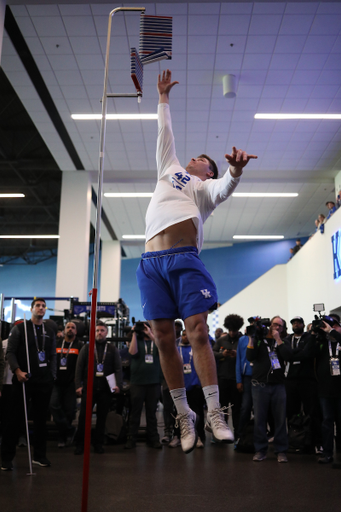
x,y
173,281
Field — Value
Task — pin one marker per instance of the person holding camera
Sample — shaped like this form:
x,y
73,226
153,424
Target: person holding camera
x,y
225,353
145,384
268,353
325,345
301,384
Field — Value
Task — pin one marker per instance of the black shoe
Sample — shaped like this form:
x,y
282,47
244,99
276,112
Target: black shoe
x,y
7,465
154,444
130,444
79,450
325,460
70,436
22,443
98,448
42,461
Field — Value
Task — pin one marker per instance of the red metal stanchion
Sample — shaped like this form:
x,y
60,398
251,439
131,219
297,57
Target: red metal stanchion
x,y
85,487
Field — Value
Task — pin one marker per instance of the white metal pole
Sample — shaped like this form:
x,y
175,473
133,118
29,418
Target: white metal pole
x,y
25,404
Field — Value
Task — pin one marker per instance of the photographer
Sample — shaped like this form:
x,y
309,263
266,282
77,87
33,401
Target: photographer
x,y
145,384
301,384
225,352
325,345
268,353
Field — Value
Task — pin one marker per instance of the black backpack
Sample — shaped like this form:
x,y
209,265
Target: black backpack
x,y
299,433
245,442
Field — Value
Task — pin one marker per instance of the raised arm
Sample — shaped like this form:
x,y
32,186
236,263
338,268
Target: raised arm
x,y
237,160
165,151
164,86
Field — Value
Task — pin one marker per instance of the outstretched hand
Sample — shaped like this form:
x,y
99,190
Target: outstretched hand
x,y
238,158
165,84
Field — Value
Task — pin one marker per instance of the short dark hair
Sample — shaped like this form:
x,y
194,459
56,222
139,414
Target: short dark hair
x,y
233,322
99,323
37,299
213,166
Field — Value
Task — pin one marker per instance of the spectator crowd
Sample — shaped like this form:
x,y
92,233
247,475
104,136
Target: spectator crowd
x,y
275,387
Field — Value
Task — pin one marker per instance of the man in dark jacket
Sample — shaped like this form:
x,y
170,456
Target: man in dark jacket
x,y
145,385
268,355
107,362
225,352
327,350
38,386
301,383
63,398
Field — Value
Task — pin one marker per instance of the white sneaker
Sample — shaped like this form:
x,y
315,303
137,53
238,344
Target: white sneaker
x,y
216,424
174,442
200,444
188,433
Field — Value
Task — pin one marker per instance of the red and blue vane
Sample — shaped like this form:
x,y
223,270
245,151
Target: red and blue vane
x,y
155,38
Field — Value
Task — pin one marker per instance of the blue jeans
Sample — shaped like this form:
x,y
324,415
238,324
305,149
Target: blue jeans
x,y
331,411
265,396
246,408
63,408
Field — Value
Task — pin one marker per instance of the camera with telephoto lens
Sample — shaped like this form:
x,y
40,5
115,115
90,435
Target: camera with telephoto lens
x,y
259,328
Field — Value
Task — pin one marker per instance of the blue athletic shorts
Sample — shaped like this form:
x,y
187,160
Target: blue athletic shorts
x,y
175,284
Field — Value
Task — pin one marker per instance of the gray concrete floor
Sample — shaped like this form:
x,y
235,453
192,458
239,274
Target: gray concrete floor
x,y
212,479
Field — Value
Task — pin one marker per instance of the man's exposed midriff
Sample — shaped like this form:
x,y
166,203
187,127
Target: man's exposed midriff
x,y
182,234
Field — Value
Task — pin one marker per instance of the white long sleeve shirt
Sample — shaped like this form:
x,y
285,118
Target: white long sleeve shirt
x,y
178,195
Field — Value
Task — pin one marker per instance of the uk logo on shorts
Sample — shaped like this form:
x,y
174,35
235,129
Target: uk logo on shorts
x,y
206,293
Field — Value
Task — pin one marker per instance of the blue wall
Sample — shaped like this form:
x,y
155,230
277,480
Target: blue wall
x,y
232,268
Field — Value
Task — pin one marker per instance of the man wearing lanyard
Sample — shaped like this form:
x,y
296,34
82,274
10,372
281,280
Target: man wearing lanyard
x,y
300,382
268,355
145,385
63,398
38,386
107,364
327,349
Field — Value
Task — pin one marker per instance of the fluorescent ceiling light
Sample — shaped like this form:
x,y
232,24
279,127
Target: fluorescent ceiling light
x,y
257,237
128,194
134,237
298,116
12,195
29,236
264,194
127,117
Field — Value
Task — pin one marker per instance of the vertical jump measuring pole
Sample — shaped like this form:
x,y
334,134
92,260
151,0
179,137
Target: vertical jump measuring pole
x,y
85,485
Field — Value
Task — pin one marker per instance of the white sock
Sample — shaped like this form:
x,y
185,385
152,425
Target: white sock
x,y
212,397
180,400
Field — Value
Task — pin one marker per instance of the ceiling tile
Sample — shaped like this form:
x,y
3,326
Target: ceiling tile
x,y
231,44
326,25
204,8
319,44
203,25
266,24
296,24
49,26
291,44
